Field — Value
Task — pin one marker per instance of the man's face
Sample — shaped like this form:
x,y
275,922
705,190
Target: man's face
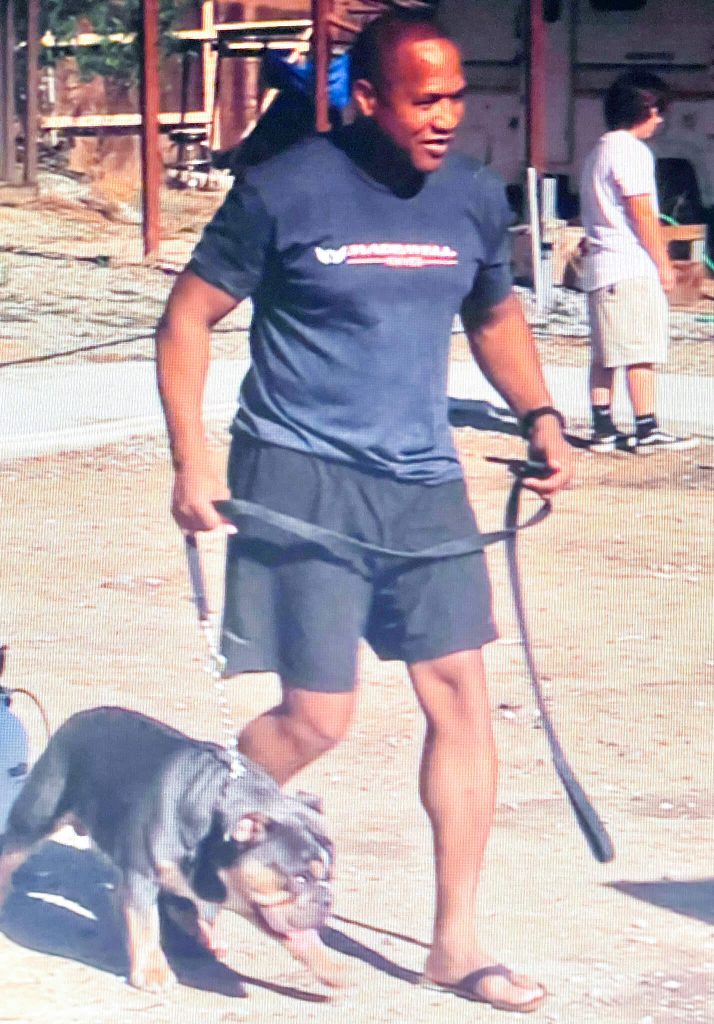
x,y
646,129
422,101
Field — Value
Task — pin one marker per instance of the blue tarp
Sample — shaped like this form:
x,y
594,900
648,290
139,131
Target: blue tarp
x,y
301,77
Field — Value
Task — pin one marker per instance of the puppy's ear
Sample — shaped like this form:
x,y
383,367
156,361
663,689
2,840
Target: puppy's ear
x,y
250,829
311,800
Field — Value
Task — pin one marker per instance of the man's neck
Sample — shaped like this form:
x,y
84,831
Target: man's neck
x,y
376,154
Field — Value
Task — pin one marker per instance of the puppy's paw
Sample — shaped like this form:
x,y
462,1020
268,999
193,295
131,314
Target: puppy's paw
x,y
152,973
328,967
185,916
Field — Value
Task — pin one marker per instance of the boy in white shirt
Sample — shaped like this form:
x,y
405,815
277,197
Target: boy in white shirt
x,y
627,266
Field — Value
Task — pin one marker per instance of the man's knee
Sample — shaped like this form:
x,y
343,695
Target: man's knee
x,y
452,690
319,721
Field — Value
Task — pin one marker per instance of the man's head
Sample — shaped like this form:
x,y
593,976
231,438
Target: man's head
x,y
636,101
407,76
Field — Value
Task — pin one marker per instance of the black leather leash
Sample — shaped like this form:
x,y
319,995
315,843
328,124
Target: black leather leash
x,y
587,817
340,544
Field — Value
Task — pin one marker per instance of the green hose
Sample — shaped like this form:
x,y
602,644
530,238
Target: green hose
x,y
675,223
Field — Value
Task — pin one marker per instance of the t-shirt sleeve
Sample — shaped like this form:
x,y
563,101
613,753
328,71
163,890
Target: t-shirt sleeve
x,y
233,249
633,170
493,216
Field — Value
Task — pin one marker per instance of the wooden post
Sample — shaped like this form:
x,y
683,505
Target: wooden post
x,y
535,87
151,164
321,60
32,80
8,150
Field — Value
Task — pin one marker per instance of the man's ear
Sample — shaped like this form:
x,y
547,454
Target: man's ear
x,y
364,96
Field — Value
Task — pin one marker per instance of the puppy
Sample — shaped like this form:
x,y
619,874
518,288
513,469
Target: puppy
x,y
166,810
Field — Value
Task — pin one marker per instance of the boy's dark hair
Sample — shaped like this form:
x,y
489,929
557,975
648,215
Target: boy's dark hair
x,y
629,100
380,36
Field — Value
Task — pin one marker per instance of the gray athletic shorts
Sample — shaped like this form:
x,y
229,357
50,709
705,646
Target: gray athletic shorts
x,y
293,608
629,323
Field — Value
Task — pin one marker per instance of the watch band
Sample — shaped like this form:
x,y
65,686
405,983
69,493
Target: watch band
x,y
528,421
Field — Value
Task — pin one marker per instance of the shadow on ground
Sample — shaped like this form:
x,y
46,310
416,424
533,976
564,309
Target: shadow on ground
x,y
693,898
62,904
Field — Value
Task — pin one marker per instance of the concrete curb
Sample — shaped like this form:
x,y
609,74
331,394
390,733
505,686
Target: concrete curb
x,y
82,407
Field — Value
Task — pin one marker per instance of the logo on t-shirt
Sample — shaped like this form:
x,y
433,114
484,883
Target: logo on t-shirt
x,y
413,255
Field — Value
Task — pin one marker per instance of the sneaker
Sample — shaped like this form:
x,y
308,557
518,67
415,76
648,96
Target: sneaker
x,y
660,440
608,442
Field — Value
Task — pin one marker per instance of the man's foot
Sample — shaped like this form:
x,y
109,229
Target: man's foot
x,y
608,442
494,985
659,440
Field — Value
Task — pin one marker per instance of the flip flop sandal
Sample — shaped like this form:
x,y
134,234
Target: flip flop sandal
x,y
467,988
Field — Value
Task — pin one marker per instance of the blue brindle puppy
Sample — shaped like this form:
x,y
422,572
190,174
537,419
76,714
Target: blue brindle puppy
x,y
166,810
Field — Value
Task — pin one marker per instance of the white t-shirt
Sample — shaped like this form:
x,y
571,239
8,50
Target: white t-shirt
x,y
620,165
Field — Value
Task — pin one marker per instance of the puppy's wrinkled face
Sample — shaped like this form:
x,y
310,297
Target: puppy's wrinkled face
x,y
282,874
274,870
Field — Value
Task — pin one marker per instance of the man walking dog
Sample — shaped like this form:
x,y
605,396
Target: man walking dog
x,y
357,250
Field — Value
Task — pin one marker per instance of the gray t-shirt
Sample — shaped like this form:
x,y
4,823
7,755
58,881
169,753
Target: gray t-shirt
x,y
354,292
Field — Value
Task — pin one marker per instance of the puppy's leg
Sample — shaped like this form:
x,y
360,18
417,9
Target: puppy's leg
x,y
35,814
328,967
196,919
148,967
10,860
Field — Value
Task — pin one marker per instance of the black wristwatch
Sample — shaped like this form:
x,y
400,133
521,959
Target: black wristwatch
x,y
528,421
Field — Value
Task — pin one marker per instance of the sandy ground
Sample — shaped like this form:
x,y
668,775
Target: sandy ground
x,y
96,609
620,590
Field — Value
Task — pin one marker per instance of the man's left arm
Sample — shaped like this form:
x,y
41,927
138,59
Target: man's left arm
x,y
504,349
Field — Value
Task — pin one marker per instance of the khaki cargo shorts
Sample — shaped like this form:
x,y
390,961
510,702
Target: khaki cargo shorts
x,y
629,323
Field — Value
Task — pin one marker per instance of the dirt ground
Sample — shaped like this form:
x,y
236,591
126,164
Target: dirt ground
x,y
620,590
619,584
73,280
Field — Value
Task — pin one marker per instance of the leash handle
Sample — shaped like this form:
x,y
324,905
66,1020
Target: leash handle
x,y
587,817
216,661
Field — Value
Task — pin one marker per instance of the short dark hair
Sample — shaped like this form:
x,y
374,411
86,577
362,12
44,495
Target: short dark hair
x,y
629,100
380,37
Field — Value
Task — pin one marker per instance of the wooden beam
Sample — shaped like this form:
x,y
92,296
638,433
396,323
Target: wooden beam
x,y
32,79
151,164
535,118
684,232
321,60
82,122
8,151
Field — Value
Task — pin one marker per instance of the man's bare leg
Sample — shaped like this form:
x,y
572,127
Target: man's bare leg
x,y
297,731
458,791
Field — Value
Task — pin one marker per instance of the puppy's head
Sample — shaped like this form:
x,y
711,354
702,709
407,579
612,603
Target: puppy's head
x,y
271,865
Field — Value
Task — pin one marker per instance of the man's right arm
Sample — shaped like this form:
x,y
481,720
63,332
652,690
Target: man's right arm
x,y
646,226
183,342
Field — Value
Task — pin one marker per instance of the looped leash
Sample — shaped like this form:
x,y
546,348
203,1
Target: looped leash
x,y
216,662
341,544
590,824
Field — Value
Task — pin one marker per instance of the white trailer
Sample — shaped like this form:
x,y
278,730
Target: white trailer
x,y
587,44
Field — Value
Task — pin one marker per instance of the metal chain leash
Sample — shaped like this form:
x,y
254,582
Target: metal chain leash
x,y
216,661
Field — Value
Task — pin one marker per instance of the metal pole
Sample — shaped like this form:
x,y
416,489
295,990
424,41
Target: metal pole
x,y
8,154
151,164
321,59
535,123
32,79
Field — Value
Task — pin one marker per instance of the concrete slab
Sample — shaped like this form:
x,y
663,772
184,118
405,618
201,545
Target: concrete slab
x,y
46,409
